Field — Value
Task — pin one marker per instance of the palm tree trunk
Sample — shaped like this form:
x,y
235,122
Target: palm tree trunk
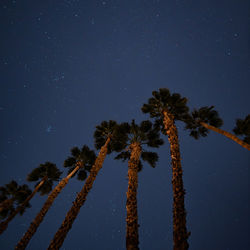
x,y
62,232
40,216
227,134
180,233
132,238
4,224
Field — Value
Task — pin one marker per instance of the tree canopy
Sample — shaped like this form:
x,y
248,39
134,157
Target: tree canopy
x,y
204,114
164,100
84,157
110,129
12,195
243,128
145,133
47,171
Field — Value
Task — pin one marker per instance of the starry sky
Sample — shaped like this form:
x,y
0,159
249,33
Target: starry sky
x,y
67,65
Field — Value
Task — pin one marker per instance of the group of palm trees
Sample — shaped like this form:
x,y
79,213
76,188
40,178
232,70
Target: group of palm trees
x,y
129,141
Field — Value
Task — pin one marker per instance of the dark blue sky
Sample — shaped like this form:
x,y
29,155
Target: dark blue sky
x,y
67,65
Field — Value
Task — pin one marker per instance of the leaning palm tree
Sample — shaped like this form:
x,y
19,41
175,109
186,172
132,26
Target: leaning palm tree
x,y
200,121
243,128
137,135
107,139
45,174
12,195
166,108
80,162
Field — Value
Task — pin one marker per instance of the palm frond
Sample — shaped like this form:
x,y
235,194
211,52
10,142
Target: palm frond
x,y
243,128
82,175
69,162
163,100
125,155
46,187
75,152
150,157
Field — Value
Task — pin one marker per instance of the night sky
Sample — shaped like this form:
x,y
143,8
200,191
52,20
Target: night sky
x,y
67,65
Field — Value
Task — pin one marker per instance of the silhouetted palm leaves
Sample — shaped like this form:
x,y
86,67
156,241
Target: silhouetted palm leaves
x,y
144,133
243,128
83,157
47,172
12,195
164,101
204,114
111,130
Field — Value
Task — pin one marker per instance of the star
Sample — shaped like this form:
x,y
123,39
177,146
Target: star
x,y
48,129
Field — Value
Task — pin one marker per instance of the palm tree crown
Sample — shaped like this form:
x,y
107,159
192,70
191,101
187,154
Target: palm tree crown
x,y
113,131
47,171
162,101
144,133
205,114
12,195
243,128
84,157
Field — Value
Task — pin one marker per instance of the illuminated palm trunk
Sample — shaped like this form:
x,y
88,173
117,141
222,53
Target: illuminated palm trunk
x,y
132,239
62,232
180,233
4,224
40,216
227,134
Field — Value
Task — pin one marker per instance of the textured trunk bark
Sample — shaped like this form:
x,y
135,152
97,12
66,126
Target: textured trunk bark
x,y
4,224
227,134
39,218
61,234
132,238
180,233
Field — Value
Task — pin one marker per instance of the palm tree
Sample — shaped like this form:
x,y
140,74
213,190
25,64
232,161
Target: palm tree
x,y
243,128
12,195
81,161
166,109
107,139
136,137
200,121
45,174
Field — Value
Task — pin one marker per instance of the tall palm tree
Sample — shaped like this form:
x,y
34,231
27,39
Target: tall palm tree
x,y
137,136
243,128
45,174
107,139
200,121
80,162
166,108
12,195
